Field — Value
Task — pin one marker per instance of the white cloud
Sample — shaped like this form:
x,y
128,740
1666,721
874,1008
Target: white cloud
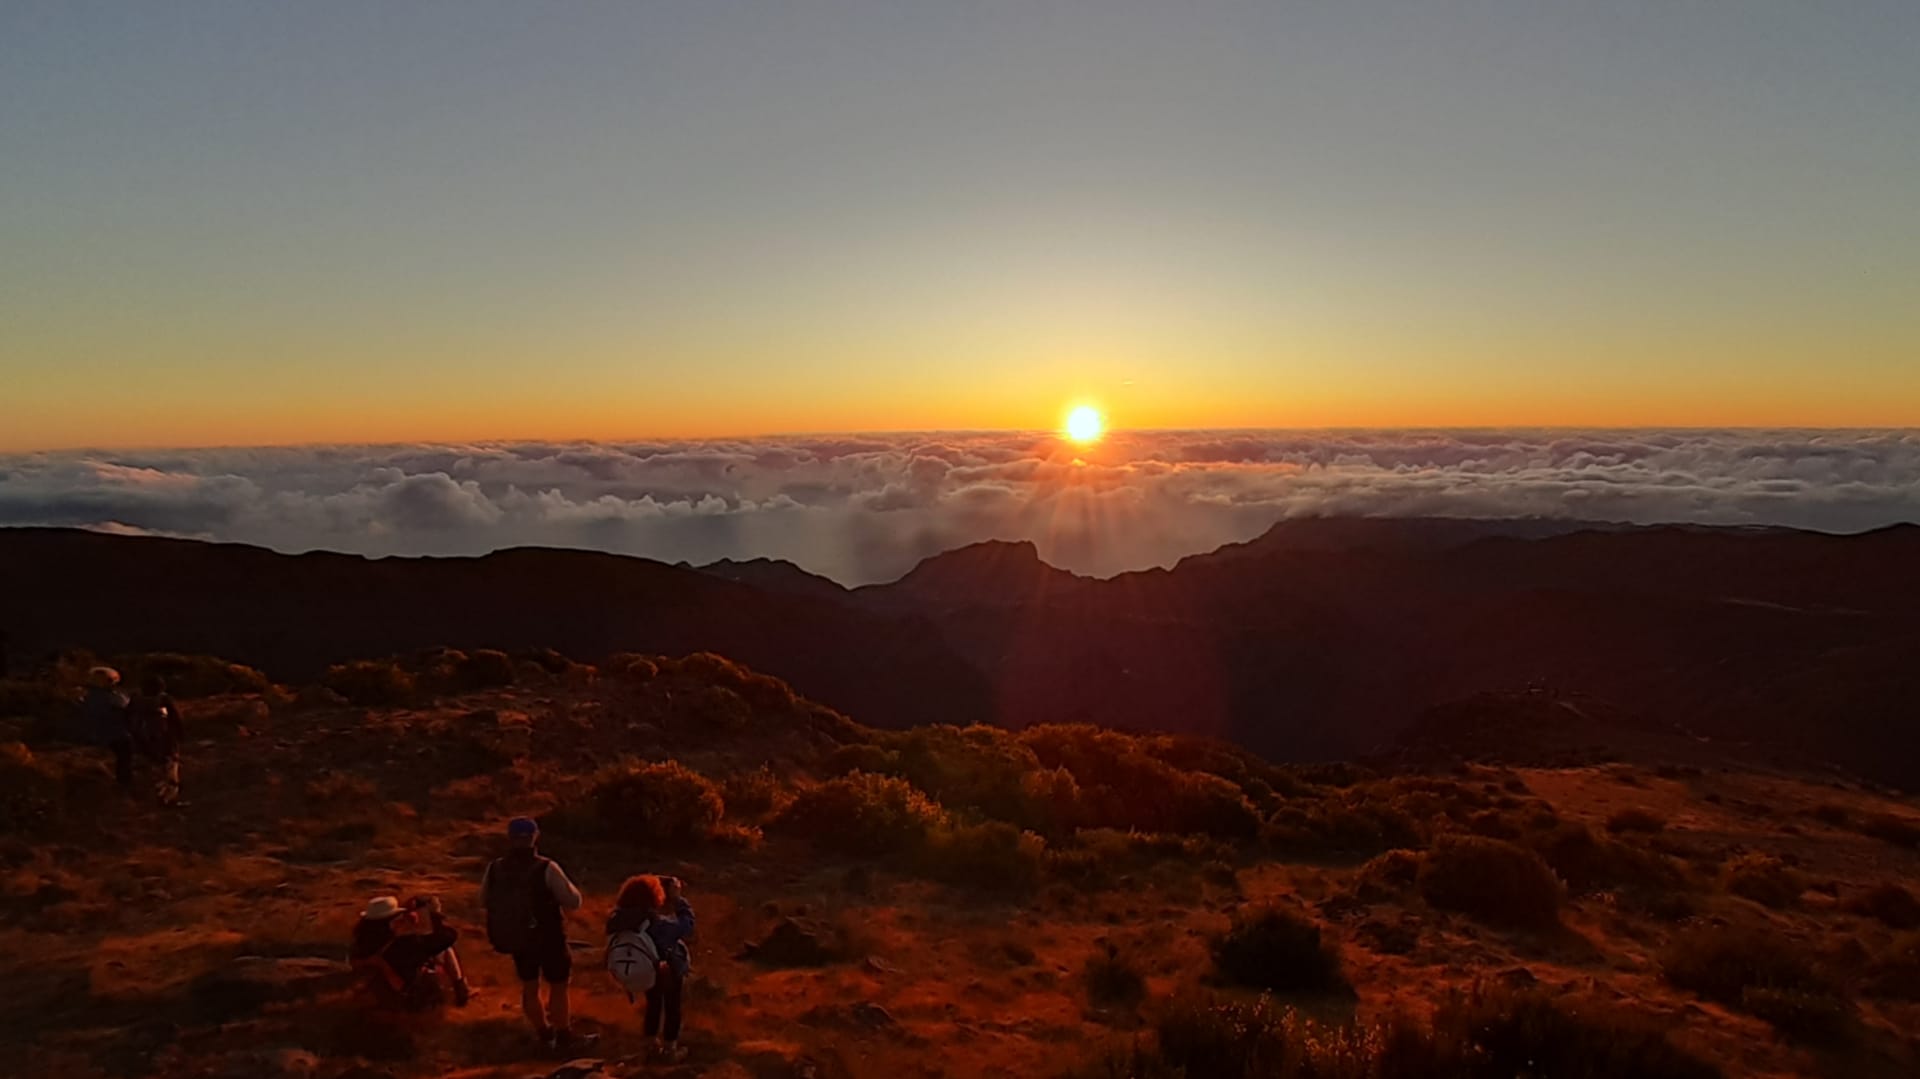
x,y
866,508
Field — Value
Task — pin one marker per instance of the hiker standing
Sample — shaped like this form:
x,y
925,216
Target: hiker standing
x,y
527,899
104,714
154,721
649,926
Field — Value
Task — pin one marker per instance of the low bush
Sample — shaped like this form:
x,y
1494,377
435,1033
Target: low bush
x,y
1587,862
714,710
1347,824
31,790
1764,879
1387,875
751,795
1895,973
1278,949
1892,828
1837,816
1114,979
1887,903
1731,965
861,757
661,801
1122,786
992,856
1488,1033
1491,880
483,669
631,667
190,676
1636,820
1801,1015
370,683
863,814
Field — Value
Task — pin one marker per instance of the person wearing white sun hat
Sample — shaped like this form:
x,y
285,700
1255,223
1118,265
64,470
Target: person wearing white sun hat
x,y
404,948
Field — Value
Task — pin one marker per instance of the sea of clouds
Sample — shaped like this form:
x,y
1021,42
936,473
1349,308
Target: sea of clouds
x,y
866,508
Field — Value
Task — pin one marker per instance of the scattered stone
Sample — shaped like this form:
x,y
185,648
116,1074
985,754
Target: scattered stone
x,y
862,1015
797,942
579,1069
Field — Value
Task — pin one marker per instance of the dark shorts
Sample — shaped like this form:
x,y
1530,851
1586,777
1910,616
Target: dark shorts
x,y
551,962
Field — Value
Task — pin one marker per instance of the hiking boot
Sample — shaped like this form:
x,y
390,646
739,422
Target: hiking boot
x,y
670,1054
566,1041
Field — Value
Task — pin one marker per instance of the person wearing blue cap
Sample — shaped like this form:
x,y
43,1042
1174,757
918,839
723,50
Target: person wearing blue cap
x,y
527,898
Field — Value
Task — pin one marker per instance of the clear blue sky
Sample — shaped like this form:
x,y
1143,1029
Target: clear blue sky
x,y
258,222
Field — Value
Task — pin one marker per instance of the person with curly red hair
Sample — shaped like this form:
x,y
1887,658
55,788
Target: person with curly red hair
x,y
654,905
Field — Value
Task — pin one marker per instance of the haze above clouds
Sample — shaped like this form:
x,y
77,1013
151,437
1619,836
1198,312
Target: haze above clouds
x,y
867,508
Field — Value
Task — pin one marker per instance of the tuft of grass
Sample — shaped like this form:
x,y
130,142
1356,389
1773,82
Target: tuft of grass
x,y
752,795
1763,974
1492,881
1278,949
372,683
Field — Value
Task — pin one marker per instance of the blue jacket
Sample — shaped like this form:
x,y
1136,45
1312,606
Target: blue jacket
x,y
103,716
669,934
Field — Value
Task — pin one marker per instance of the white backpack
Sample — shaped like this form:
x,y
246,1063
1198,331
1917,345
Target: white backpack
x,y
633,961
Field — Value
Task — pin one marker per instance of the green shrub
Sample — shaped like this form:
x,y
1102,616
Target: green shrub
x,y
862,757
1892,828
1589,862
370,683
50,709
484,669
631,667
1488,1033
984,770
992,856
1636,820
1114,979
1387,875
1491,880
863,814
714,710
1122,786
1348,823
1895,973
663,801
1764,879
751,794
190,676
1888,903
1278,949
1723,963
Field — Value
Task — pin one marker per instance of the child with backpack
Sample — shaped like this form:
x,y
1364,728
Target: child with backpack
x,y
647,954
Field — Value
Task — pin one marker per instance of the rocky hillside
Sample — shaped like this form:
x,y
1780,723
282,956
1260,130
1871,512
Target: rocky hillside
x,y
1059,901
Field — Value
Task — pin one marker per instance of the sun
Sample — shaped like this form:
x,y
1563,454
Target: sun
x,y
1085,424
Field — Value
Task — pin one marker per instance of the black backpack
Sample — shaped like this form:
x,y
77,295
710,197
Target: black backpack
x,y
514,894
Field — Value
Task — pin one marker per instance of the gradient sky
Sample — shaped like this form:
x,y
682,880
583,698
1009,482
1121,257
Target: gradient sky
x,y
255,223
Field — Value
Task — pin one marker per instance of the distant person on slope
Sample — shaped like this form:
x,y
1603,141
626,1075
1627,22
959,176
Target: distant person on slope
x,y
527,899
647,952
103,712
154,721
405,948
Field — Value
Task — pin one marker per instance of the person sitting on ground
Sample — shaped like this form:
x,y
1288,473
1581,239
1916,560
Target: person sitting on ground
x,y
527,899
103,713
405,947
155,724
653,905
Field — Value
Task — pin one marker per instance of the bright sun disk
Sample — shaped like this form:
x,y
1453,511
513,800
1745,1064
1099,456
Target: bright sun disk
x,y
1084,424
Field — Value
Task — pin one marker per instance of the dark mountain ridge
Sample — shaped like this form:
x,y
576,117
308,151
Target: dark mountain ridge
x,y
1320,639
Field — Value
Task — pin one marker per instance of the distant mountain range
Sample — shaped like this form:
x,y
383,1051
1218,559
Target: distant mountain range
x,y
1323,637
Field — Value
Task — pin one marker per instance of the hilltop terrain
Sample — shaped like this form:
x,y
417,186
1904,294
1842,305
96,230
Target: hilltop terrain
x,y
1323,639
1526,882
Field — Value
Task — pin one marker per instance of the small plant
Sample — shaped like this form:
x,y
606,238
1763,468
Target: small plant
x,y
1491,880
1764,879
1636,820
664,801
992,856
1280,950
483,669
1113,979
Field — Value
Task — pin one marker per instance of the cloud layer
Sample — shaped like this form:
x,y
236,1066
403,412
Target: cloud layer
x,y
864,509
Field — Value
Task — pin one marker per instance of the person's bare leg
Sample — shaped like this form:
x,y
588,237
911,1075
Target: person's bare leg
x,y
530,1004
557,1007
450,962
